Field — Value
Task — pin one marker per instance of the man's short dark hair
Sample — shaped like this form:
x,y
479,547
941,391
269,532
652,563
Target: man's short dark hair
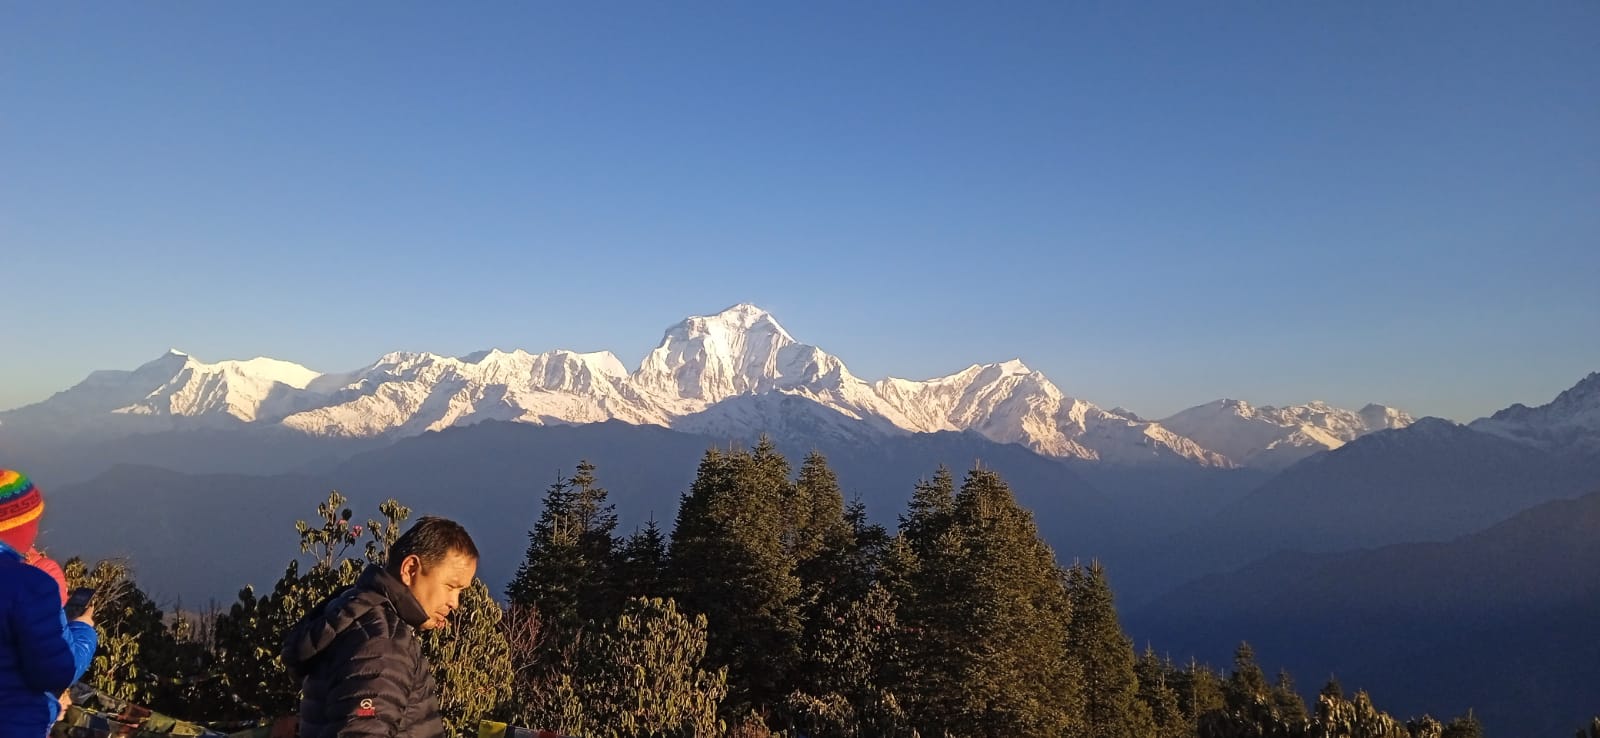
x,y
431,539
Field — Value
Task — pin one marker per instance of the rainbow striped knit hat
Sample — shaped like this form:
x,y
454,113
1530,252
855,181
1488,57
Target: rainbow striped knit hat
x,y
20,507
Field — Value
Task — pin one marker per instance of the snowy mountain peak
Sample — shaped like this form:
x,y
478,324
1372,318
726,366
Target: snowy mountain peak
x,y
241,390
173,385
1570,421
1382,417
492,355
707,358
743,318
1013,367
1237,407
1273,437
1581,397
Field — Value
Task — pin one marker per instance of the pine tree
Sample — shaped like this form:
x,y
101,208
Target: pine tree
x,y
643,563
1249,705
847,619
1248,683
1199,691
847,686
728,561
569,571
1157,693
931,512
1424,727
870,544
1467,726
1332,689
983,625
922,568
1105,658
818,540
1286,701
1355,718
815,510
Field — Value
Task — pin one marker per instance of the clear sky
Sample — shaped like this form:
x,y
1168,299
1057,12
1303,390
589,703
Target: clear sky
x,y
1157,204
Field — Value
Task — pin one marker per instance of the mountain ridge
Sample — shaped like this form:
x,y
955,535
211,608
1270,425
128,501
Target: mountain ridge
x,y
687,381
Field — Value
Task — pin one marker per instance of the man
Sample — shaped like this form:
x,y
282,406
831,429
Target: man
x,y
41,653
358,654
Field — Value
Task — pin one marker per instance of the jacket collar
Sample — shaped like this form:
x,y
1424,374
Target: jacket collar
x,y
375,579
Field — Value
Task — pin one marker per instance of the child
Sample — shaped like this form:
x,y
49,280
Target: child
x,y
41,653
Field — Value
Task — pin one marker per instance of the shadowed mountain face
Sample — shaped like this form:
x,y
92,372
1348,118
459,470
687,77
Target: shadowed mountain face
x,y
1430,482
177,527
1501,621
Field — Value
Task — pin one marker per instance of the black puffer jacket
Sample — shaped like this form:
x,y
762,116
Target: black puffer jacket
x,y
361,666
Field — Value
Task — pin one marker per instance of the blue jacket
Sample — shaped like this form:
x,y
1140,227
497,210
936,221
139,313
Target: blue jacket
x,y
41,653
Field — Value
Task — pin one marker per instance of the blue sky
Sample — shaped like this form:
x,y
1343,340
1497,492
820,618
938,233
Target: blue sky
x,y
1157,204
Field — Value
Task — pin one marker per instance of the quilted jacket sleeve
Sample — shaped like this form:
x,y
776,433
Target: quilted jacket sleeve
x,y
52,652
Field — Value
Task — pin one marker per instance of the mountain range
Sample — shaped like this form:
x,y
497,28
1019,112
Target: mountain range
x,y
1500,621
735,373
1227,521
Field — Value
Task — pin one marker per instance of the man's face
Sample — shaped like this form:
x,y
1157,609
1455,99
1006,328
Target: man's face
x,y
438,588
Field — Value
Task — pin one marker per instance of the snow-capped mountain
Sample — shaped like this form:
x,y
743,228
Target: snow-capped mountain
x,y
1274,437
176,388
1571,422
705,360
1011,403
734,373
410,393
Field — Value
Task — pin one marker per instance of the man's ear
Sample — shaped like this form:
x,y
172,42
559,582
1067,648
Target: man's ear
x,y
410,568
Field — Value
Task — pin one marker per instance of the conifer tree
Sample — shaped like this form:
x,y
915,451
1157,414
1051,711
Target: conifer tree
x,y
930,513
728,561
1424,727
922,568
569,571
643,563
1157,693
1286,701
871,542
847,689
1199,691
1111,705
1355,718
1249,705
1467,726
984,625
815,510
819,540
